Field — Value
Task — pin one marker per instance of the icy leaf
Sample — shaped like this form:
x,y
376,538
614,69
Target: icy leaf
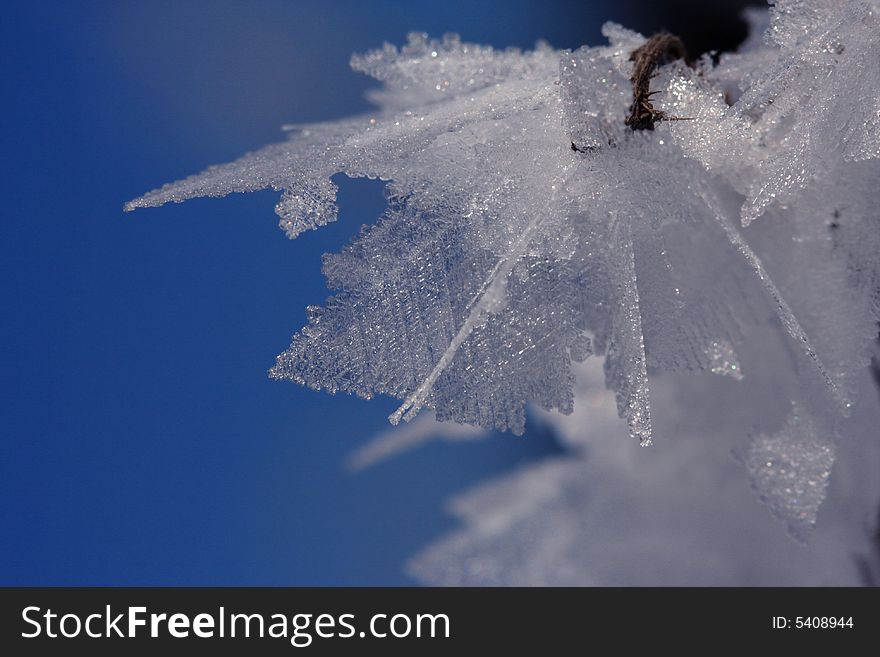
x,y
528,227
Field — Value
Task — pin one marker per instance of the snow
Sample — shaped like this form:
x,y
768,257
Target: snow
x,y
528,227
679,514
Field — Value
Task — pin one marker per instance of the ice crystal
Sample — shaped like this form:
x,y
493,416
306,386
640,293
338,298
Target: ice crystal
x,y
806,104
528,227
789,469
724,360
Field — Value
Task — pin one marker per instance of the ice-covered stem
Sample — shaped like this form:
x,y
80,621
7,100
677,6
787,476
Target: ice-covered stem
x,y
660,49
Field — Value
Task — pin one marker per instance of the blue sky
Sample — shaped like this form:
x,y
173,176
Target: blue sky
x,y
142,441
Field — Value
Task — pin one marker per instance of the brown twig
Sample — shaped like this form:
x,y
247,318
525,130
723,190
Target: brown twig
x,y
658,50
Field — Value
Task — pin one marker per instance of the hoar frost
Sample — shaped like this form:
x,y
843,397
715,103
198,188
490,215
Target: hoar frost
x,y
789,469
505,255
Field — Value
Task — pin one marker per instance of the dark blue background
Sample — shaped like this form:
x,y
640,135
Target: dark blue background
x,y
142,441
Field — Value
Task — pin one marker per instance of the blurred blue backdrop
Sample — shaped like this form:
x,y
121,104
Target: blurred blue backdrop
x,y
142,441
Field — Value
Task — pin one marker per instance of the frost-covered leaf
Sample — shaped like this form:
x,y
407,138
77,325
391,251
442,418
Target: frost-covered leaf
x,y
528,226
